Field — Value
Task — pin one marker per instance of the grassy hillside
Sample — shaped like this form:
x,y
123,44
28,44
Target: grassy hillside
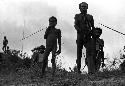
x,y
15,72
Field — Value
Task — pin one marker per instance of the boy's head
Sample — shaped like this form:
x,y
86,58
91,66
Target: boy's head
x,y
97,32
7,47
52,21
83,7
4,37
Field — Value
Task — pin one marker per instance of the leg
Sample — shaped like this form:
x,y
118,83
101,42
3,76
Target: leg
x,y
79,55
98,61
53,59
91,63
3,48
45,58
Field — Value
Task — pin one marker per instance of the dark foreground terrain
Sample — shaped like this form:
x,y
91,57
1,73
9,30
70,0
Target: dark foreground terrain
x,y
27,77
14,73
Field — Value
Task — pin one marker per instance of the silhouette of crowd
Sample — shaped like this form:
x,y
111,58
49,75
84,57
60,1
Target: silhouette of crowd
x,y
87,35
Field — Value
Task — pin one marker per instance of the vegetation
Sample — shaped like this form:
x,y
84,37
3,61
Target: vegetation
x,y
16,71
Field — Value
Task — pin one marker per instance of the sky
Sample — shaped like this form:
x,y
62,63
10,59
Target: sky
x,y
30,16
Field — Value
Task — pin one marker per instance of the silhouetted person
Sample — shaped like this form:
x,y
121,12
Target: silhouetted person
x,y
99,49
51,35
8,50
36,52
5,42
84,24
94,51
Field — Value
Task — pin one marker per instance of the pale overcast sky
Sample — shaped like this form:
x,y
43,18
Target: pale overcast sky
x,y
36,13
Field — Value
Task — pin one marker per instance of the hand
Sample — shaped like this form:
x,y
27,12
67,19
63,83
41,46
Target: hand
x,y
103,64
58,52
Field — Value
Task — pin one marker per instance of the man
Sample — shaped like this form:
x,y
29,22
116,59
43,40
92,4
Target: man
x,y
84,24
5,42
51,35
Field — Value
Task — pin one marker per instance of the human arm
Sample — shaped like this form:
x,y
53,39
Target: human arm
x,y
59,40
46,33
76,23
102,52
92,22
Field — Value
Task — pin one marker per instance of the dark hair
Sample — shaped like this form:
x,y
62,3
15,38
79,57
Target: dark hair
x,y
95,30
4,36
53,18
84,3
99,29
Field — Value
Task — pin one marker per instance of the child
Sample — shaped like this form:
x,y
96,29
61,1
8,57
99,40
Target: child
x,y
51,35
99,49
94,49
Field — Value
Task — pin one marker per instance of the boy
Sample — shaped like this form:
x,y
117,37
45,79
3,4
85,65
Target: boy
x,y
94,49
99,49
51,35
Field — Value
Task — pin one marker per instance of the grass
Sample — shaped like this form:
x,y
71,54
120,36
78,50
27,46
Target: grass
x,y
61,78
23,75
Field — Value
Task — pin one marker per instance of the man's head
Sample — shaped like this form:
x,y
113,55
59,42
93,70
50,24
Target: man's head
x,y
52,21
97,32
83,7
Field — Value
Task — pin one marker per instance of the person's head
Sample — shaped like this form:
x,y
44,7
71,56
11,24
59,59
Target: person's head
x,y
52,21
97,32
7,47
83,7
42,47
4,37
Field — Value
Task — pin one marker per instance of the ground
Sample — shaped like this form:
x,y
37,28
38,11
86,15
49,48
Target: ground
x,y
13,73
26,77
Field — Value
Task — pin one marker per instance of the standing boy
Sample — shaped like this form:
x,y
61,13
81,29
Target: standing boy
x,y
94,49
52,35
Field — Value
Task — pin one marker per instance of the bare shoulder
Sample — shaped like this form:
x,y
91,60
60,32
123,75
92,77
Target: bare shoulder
x,y
89,15
102,40
58,30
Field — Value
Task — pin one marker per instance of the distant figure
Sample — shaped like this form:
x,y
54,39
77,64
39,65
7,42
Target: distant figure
x,y
37,52
94,49
5,42
84,24
8,50
51,35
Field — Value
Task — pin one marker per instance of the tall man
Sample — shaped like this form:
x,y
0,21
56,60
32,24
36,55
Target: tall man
x,y
84,24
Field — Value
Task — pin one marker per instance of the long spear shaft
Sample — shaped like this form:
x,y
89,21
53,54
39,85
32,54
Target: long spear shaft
x,y
112,29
